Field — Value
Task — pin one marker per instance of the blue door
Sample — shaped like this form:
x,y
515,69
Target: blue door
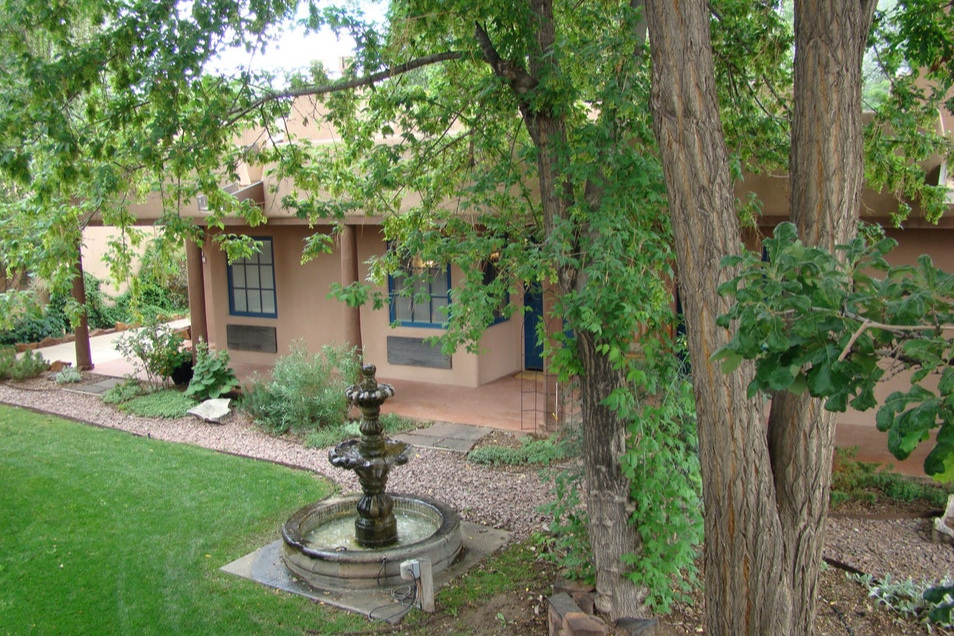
x,y
532,348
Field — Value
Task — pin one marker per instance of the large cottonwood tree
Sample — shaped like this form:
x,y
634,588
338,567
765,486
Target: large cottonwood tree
x,y
766,474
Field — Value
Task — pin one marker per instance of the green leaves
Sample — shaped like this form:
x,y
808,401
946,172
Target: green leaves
x,y
813,321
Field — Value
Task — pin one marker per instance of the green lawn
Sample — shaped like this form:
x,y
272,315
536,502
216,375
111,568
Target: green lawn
x,y
102,532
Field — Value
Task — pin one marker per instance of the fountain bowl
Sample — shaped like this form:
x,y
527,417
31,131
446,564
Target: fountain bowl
x,y
336,567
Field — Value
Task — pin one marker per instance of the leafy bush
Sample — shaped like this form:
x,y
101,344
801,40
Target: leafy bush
x,y
68,375
34,326
211,376
543,452
854,480
337,433
124,392
155,349
925,602
29,365
568,542
305,392
167,403
101,311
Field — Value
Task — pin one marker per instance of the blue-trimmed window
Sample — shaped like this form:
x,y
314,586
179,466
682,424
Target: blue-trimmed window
x,y
252,283
420,294
491,272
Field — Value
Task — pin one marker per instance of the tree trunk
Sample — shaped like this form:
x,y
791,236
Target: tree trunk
x,y
747,589
84,358
764,519
827,178
607,490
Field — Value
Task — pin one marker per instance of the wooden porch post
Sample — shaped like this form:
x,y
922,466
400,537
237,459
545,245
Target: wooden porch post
x,y
348,248
84,358
196,274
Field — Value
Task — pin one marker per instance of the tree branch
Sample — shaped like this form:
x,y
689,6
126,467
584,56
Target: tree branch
x,y
520,80
339,86
868,324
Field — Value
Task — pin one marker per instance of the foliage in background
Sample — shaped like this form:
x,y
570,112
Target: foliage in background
x,y
927,602
567,544
154,349
165,403
33,321
333,434
69,375
159,292
835,330
129,388
212,377
304,392
542,452
28,365
854,480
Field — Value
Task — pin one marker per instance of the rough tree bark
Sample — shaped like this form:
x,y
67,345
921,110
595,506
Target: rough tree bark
x,y
827,176
764,511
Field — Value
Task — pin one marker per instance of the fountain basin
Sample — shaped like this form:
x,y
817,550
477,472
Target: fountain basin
x,y
353,567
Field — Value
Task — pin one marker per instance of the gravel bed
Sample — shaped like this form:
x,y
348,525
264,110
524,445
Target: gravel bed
x,y
508,499
901,548
481,495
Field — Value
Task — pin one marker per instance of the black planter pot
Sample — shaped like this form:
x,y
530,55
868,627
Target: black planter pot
x,y
182,374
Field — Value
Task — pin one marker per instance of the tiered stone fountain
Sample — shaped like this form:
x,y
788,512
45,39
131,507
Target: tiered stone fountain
x,y
360,541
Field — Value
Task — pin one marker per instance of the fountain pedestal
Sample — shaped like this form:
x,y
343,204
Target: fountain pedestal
x,y
372,458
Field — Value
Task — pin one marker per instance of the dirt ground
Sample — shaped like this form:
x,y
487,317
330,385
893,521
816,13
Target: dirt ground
x,y
844,607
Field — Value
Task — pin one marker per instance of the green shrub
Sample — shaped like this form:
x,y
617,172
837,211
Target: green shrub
x,y
568,542
130,388
854,480
305,392
28,365
34,326
101,311
926,602
543,452
155,349
168,403
68,375
211,376
332,435
337,433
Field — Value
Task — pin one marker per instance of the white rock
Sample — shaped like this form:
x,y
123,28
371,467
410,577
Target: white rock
x,y
943,532
214,411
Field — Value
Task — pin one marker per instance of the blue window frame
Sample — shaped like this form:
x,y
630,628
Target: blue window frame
x,y
252,283
491,272
420,294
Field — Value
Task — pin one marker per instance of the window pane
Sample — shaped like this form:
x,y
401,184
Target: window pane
x,y
238,275
254,302
402,309
239,301
268,277
265,256
268,302
251,277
